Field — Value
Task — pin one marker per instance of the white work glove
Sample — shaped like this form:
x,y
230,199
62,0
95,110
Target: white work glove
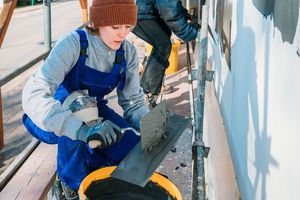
x,y
101,135
82,102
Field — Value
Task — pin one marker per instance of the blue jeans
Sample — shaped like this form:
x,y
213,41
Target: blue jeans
x,y
156,33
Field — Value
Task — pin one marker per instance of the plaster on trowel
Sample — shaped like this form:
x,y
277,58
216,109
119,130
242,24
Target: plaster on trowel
x,y
159,132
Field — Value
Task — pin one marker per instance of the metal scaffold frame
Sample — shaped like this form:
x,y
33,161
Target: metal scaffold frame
x,y
201,75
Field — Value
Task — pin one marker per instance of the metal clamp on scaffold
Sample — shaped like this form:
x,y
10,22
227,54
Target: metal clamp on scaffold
x,y
202,146
208,75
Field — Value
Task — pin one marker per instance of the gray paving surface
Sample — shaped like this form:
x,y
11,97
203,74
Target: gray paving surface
x,y
24,38
177,165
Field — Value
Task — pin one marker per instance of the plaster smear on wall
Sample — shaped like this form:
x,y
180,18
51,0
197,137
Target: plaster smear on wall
x,y
285,15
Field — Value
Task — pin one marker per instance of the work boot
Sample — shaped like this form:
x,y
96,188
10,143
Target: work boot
x,y
69,193
153,75
56,191
150,99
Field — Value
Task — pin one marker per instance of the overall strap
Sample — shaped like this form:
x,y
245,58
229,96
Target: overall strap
x,y
120,60
83,46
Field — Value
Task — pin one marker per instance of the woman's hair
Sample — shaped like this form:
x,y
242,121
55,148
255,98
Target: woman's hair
x,y
92,30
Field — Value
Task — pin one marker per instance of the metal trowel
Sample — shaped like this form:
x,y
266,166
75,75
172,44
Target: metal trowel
x,y
160,130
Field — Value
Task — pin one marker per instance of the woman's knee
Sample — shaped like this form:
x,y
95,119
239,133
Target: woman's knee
x,y
162,52
163,48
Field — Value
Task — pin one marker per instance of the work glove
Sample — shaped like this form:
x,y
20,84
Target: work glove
x,y
186,14
82,102
196,26
101,135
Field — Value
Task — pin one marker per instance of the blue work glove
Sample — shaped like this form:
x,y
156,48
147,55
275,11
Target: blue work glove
x,y
101,135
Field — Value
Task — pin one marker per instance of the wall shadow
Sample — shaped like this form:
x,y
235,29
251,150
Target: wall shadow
x,y
244,123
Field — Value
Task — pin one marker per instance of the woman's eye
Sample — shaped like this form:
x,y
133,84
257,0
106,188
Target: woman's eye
x,y
115,27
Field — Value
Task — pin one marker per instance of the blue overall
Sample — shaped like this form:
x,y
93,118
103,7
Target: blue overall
x,y
75,160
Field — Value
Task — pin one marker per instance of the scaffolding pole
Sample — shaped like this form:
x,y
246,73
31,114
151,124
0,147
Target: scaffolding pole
x,y
201,75
47,24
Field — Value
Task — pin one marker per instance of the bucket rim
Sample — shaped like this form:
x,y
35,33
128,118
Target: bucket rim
x,y
105,172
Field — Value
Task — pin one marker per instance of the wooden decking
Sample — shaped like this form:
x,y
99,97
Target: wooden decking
x,y
36,176
15,136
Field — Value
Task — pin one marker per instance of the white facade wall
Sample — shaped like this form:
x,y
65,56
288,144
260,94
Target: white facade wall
x,y
260,104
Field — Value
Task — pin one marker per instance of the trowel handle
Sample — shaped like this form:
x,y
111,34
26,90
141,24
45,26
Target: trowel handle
x,y
93,144
123,130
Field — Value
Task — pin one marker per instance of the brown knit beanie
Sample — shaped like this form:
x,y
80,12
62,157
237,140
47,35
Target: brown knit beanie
x,y
113,12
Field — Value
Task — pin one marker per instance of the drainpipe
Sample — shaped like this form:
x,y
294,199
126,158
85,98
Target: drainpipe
x,y
202,75
47,24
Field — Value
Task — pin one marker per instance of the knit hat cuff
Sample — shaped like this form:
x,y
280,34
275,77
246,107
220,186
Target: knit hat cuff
x,y
113,14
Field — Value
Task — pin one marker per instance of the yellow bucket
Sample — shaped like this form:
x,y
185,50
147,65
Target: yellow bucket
x,y
101,178
173,58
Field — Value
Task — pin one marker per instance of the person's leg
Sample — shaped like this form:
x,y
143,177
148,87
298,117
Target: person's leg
x,y
156,33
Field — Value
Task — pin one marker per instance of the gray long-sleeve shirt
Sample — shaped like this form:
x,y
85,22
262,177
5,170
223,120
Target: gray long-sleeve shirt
x,y
48,113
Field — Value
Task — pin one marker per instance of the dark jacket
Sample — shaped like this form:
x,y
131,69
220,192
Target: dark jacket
x,y
173,14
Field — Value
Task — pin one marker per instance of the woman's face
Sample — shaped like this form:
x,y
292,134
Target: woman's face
x,y
114,35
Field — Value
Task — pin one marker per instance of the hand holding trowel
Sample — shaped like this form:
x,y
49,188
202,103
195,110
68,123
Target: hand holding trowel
x,y
99,143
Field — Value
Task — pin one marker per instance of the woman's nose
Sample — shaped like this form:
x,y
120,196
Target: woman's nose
x,y
123,32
